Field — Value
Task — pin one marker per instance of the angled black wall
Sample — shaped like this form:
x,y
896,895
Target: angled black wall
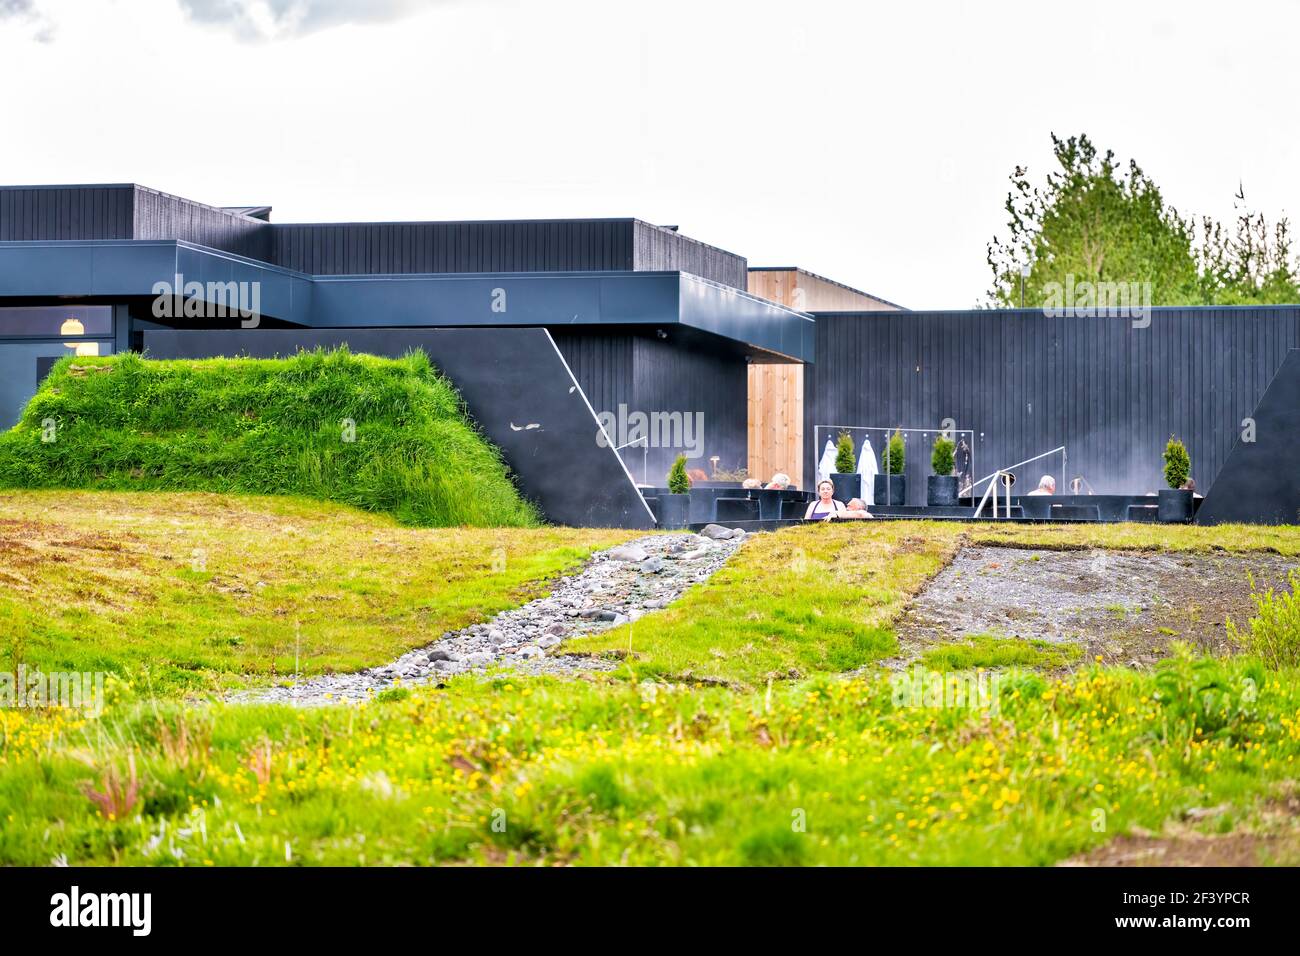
x,y
705,391
1260,482
516,387
1026,382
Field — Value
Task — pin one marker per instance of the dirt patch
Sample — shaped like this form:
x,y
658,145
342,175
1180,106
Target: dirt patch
x,y
1124,606
1270,837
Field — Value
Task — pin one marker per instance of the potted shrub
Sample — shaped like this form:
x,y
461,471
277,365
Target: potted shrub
x,y
675,507
941,487
845,477
1175,502
891,484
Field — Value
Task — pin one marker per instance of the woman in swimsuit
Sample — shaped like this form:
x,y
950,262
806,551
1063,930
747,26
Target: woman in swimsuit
x,y
824,506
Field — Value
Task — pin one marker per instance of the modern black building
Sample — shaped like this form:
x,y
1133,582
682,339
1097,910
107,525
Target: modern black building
x,y
654,327
625,334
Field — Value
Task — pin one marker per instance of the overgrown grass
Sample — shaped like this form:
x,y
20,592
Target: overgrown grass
x,y
987,650
385,435
827,771
1274,633
190,592
806,600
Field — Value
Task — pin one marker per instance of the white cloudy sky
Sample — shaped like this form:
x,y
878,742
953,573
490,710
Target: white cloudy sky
x,y
867,141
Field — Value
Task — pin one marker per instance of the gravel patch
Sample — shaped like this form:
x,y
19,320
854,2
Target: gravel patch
x,y
616,586
1127,606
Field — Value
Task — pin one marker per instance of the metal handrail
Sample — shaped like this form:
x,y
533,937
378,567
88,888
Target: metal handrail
x,y
1027,461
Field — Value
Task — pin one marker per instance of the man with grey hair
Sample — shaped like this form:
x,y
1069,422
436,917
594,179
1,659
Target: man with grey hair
x,y
1046,486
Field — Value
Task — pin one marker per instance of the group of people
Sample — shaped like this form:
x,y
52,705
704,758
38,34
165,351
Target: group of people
x,y
780,481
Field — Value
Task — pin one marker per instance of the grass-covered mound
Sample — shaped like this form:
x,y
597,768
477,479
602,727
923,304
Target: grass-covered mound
x,y
386,435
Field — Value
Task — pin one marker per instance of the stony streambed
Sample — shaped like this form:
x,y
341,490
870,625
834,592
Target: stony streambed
x,y
614,587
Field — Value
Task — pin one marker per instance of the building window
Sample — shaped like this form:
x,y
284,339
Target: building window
x,y
57,322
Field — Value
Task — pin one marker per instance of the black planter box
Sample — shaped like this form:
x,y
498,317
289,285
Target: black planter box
x,y
941,491
846,486
1174,505
891,490
674,511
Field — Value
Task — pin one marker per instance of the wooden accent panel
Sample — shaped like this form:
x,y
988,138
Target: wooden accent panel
x,y
776,422
776,415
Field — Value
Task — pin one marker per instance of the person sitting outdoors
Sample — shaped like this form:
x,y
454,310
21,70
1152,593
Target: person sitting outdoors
x,y
1190,485
824,506
857,508
751,484
779,482
1046,486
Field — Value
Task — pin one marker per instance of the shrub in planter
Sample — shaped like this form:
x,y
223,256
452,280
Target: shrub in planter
x,y
675,507
891,486
941,487
845,478
1174,504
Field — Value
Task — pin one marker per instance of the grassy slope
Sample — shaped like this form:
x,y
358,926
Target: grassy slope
x,y
194,591
619,773
613,770
266,427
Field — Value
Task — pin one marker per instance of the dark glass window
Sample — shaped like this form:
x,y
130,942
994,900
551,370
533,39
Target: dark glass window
x,y
57,322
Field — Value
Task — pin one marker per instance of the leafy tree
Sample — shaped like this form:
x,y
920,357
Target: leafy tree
x,y
1094,222
1252,266
846,462
1091,222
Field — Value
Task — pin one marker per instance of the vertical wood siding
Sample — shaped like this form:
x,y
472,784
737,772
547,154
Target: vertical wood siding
x,y
1026,383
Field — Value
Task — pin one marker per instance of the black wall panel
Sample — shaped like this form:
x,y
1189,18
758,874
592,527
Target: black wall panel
x,y
65,212
704,394
1026,383
662,250
160,216
1260,481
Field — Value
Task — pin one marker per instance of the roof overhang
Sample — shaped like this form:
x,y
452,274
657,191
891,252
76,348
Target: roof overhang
x,y
699,309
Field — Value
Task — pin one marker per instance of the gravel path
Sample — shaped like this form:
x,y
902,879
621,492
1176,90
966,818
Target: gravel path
x,y
1125,605
616,586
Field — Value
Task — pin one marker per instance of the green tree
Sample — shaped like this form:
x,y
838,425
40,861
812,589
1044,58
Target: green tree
x,y
1252,265
679,483
1095,222
845,460
1092,222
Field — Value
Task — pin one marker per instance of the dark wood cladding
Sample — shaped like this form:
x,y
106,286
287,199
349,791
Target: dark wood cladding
x,y
421,247
161,216
549,245
648,376
1026,383
34,213
663,250
572,245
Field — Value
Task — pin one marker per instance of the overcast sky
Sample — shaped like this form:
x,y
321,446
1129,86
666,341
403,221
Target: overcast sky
x,y
869,142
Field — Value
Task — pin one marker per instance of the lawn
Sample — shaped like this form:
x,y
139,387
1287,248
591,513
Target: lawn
x,y
192,592
730,734
821,598
541,771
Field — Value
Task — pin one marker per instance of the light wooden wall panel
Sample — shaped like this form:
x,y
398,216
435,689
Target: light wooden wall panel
x,y
776,416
